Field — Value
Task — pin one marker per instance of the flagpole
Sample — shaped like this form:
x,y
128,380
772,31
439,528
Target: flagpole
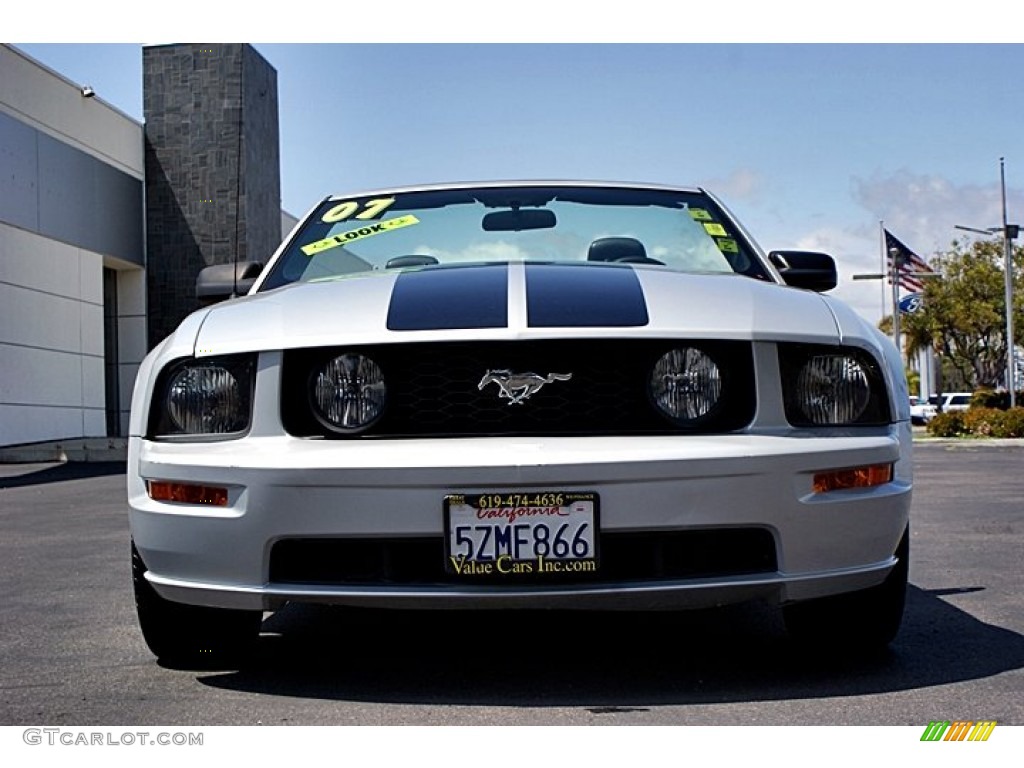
x,y
894,278
882,268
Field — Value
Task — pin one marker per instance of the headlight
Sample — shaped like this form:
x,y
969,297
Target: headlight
x,y
204,397
348,393
686,384
825,387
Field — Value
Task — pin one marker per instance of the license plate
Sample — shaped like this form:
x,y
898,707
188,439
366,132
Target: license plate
x,y
519,534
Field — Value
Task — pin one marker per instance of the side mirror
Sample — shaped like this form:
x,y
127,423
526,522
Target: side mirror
x,y
806,269
222,281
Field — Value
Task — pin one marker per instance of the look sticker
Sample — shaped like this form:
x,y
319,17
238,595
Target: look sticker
x,y
715,230
726,245
358,234
700,214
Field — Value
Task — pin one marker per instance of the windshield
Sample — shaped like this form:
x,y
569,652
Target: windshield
x,y
683,231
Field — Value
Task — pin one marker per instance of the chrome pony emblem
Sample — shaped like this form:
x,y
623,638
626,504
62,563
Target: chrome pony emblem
x,y
517,387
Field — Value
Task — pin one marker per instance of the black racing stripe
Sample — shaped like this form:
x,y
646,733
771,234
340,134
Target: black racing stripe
x,y
441,298
584,296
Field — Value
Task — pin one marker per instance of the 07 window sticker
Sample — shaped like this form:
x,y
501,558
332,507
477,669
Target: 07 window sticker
x,y
371,209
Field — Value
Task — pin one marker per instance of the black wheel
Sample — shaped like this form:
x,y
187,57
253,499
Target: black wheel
x,y
191,635
866,620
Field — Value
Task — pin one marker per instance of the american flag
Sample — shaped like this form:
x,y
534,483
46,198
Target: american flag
x,y
907,261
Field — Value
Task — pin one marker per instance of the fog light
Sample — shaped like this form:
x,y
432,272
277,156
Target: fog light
x,y
186,493
685,385
860,477
348,393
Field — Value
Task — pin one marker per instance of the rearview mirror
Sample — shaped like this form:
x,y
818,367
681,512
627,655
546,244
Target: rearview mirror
x,y
518,220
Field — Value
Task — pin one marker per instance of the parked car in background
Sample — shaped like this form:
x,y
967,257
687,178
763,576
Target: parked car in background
x,y
917,408
950,401
558,395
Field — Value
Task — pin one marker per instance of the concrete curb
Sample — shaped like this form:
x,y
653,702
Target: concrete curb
x,y
968,442
86,449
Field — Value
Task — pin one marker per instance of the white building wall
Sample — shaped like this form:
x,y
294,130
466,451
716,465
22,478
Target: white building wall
x,y
51,339
52,380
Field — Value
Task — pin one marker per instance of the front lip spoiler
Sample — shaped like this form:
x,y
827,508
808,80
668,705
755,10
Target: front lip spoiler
x,y
666,595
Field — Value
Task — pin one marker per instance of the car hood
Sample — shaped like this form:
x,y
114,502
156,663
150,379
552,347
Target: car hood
x,y
517,301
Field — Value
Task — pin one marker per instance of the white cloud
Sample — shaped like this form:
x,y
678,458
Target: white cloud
x,y
741,184
921,210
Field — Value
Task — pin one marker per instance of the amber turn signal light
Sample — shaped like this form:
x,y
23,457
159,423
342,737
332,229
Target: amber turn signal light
x,y
186,493
860,477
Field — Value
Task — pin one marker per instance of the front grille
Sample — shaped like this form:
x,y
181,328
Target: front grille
x,y
433,389
625,557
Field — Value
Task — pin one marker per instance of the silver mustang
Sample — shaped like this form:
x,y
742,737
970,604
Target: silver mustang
x,y
518,395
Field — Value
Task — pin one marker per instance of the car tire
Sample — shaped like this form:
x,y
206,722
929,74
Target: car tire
x,y
182,635
865,620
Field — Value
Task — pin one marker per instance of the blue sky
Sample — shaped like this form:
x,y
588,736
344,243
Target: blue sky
x,y
811,145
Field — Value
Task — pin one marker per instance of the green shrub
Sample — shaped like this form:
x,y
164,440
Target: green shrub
x,y
982,422
950,424
1012,423
978,422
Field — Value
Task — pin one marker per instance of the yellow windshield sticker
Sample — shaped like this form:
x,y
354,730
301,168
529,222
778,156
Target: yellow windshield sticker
x,y
370,210
715,230
358,234
725,245
700,214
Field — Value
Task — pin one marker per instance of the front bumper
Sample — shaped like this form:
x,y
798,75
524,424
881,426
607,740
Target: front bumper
x,y
285,488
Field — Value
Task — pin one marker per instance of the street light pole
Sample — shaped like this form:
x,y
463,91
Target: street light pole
x,y
1011,361
1010,232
